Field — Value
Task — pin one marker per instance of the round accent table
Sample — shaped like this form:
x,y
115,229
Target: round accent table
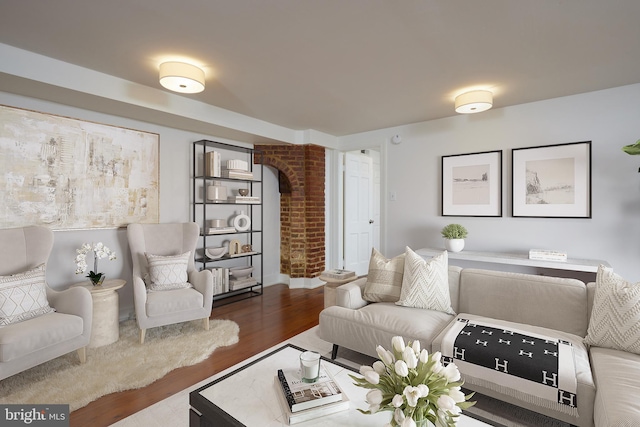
x,y
105,328
330,288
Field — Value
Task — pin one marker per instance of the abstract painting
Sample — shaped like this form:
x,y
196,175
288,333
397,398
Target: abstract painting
x,y
72,174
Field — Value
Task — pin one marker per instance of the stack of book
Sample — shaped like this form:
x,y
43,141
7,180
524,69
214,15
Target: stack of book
x,y
547,255
302,401
212,164
220,280
245,282
338,274
221,230
244,199
236,174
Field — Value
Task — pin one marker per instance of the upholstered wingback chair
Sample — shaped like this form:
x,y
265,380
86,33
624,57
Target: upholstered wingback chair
x,y
27,343
164,307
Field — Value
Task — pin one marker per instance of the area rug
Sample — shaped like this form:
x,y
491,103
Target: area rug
x,y
123,365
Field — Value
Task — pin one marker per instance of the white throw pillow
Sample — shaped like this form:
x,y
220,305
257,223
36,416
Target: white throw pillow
x,y
615,316
384,278
23,296
168,272
425,284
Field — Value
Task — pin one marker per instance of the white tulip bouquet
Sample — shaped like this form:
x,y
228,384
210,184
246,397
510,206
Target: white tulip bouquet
x,y
414,385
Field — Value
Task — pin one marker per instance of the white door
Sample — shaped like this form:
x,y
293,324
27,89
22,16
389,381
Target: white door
x,y
358,212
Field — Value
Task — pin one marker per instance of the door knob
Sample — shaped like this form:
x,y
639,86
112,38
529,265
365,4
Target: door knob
x,y
370,221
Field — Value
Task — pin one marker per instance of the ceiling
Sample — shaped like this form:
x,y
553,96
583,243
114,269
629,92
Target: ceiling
x,y
343,66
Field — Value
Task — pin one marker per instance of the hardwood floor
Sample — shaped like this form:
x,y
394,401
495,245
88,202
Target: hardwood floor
x,y
277,315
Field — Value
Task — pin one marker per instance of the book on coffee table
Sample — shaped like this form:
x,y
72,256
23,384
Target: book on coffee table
x,y
338,274
308,414
301,395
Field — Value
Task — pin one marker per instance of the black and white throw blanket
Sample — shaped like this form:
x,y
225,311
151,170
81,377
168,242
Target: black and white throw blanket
x,y
522,364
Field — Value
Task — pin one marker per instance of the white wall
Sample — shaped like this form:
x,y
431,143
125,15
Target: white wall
x,y
608,118
175,190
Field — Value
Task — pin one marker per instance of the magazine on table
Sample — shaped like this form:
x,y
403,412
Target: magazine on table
x,y
302,395
308,414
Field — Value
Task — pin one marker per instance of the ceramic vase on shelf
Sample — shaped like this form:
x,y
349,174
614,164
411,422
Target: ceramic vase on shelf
x,y
454,245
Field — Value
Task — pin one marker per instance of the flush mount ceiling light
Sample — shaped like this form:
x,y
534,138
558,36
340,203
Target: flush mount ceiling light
x,y
475,101
181,77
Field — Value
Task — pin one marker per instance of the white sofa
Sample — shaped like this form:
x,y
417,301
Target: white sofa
x,y
551,306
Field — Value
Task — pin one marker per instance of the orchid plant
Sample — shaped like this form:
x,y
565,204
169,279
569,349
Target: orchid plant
x,y
414,385
99,251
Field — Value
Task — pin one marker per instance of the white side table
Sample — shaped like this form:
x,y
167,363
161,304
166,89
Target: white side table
x,y
330,288
105,329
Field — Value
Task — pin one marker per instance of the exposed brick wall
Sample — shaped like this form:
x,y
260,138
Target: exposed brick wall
x,y
302,245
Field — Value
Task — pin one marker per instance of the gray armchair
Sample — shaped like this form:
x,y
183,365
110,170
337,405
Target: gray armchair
x,y
159,308
31,342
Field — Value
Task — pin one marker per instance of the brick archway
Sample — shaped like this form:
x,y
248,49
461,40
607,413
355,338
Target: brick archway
x,y
301,170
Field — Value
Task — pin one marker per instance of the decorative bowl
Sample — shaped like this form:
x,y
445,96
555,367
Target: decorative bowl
x,y
218,223
240,272
243,192
215,253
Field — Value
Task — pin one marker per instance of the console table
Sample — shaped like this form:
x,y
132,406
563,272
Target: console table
x,y
522,259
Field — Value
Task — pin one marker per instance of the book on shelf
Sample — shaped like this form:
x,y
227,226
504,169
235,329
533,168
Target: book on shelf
x,y
547,255
236,174
220,280
212,164
235,284
244,199
301,395
338,274
221,230
308,414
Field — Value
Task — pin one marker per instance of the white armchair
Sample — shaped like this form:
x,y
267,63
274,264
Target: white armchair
x,y
165,307
31,342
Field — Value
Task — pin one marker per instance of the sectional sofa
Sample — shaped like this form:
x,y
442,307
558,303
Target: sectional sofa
x,y
605,381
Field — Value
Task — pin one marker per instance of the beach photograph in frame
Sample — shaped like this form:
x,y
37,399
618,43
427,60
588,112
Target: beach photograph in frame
x,y
472,184
552,181
70,174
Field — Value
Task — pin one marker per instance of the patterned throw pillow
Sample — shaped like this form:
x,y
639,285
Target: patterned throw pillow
x,y
615,316
384,278
426,283
168,272
23,296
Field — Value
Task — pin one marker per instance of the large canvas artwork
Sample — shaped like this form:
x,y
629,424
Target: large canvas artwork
x,y
73,174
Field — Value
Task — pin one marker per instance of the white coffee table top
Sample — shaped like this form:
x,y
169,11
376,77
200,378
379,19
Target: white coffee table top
x,y
248,395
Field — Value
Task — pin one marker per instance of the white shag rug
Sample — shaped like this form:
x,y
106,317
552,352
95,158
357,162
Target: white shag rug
x,y
123,365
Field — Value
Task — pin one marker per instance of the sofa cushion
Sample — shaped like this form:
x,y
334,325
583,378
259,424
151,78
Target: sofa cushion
x,y
384,279
617,375
168,272
615,316
173,301
585,385
425,284
363,329
23,296
21,339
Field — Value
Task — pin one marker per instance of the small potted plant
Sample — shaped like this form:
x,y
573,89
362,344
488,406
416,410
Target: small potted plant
x,y
454,235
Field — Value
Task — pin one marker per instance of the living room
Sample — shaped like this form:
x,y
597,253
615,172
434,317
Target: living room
x,y
411,170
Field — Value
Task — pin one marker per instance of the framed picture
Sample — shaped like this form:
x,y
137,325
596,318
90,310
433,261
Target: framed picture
x,y
552,181
472,184
72,174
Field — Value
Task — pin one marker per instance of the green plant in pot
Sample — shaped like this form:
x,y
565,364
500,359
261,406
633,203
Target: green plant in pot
x,y
454,235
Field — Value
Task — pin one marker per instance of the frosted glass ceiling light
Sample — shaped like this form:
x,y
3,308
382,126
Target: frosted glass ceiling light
x,y
475,101
181,77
